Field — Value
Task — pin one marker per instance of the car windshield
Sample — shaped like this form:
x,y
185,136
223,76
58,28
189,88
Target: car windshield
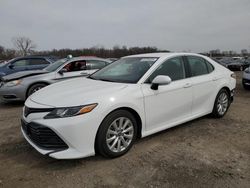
x,y
5,62
2,64
54,66
125,70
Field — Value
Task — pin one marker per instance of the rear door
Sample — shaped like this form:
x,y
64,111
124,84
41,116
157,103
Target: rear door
x,y
37,63
203,81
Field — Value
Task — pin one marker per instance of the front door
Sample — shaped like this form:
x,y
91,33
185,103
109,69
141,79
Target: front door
x,y
72,70
171,103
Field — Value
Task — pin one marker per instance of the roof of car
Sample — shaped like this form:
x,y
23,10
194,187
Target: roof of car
x,y
87,58
51,58
163,54
36,56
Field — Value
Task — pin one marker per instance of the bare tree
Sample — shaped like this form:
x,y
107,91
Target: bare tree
x,y
24,45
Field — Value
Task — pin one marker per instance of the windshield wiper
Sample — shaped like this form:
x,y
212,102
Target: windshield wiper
x,y
91,77
102,79
106,80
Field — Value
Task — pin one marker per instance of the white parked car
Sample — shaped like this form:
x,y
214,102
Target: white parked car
x,y
133,97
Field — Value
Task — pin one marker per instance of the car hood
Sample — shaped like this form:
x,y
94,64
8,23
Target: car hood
x,y
75,92
23,74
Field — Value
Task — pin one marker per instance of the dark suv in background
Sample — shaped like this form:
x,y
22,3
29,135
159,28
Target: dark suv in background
x,y
26,63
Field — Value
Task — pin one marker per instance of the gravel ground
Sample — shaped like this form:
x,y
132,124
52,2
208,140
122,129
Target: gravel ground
x,y
206,152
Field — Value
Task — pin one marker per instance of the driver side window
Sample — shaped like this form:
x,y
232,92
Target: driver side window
x,y
75,66
174,68
21,63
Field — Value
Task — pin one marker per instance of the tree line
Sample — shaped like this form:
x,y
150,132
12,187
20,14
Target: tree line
x,y
25,46
115,52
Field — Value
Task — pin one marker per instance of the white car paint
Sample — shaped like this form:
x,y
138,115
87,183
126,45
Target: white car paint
x,y
170,105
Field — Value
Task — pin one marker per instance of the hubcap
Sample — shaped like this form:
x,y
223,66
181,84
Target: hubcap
x,y
120,134
222,103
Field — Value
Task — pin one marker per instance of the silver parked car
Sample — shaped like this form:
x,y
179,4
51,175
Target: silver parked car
x,y
246,78
19,86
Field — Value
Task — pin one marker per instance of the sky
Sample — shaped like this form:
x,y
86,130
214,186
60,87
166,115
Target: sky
x,y
176,25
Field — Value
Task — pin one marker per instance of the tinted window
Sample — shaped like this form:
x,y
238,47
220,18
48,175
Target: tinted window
x,y
198,65
174,68
38,62
21,63
209,67
95,64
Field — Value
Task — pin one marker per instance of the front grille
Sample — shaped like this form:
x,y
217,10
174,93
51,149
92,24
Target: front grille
x,y
28,110
43,136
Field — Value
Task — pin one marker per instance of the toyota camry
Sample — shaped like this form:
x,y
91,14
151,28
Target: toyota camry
x,y
133,97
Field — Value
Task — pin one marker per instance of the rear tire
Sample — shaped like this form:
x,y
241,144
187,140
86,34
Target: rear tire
x,y
221,104
116,134
35,88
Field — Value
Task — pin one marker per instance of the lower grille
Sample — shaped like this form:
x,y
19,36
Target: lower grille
x,y
43,136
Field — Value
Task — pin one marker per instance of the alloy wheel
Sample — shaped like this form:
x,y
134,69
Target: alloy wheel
x,y
120,134
222,103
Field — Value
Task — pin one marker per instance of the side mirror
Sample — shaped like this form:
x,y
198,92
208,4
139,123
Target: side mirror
x,y
11,66
160,80
63,70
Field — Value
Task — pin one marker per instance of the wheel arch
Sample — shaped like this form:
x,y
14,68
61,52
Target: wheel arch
x,y
34,83
227,89
134,113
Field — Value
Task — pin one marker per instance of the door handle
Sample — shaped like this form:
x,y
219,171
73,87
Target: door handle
x,y
187,85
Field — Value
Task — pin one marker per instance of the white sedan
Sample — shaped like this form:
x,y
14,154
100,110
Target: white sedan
x,y
131,98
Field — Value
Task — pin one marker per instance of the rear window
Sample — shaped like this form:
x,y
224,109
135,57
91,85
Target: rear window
x,y
38,62
96,64
199,66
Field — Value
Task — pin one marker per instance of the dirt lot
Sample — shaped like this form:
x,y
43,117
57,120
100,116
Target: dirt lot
x,y
203,153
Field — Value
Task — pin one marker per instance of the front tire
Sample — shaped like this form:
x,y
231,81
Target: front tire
x,y
221,104
34,88
116,134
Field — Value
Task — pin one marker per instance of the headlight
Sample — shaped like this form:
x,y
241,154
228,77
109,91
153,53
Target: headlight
x,y
70,111
13,83
247,70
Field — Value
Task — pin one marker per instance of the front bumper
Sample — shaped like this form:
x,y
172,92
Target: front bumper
x,y
77,133
43,137
14,93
